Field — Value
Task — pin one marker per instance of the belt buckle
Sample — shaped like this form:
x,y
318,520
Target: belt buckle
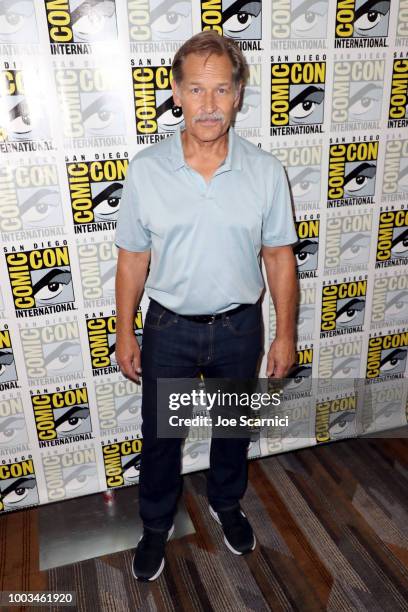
x,y
211,321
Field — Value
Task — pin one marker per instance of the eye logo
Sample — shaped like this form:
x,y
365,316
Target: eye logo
x,y
155,111
122,462
343,307
89,104
387,356
335,419
297,95
81,21
18,485
299,19
96,190
8,371
237,19
61,415
392,243
41,279
352,172
362,19
306,250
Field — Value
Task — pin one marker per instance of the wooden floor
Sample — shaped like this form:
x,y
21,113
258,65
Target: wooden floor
x,y
332,529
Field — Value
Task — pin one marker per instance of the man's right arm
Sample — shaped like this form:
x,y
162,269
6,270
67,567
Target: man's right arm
x,y
131,275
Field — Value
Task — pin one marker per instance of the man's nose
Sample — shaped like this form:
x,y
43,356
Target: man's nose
x,y
209,102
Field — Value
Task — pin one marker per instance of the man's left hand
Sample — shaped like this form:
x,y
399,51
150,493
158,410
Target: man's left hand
x,y
281,357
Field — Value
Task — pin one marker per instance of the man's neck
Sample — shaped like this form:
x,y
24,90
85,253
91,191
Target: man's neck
x,y
193,148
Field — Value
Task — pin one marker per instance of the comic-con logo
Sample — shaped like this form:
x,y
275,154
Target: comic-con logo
x,y
336,419
30,199
303,165
90,107
80,21
70,474
398,112
52,353
352,172
95,189
362,23
119,407
18,485
13,427
348,239
97,264
387,356
102,341
159,20
122,462
343,307
300,376
340,359
8,372
357,94
62,416
18,24
300,21
395,176
390,300
297,97
392,242
41,280
306,249
24,124
235,19
155,111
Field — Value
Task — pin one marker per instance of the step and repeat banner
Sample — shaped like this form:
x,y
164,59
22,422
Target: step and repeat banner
x,y
84,85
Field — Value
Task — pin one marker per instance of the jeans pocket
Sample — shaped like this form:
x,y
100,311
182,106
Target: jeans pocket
x,y
159,318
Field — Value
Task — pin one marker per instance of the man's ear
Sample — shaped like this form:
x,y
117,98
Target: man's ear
x,y
176,93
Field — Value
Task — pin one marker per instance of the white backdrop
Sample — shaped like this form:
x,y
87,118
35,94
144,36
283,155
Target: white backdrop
x,y
84,85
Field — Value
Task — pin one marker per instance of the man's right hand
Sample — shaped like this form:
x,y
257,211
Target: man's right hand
x,y
128,356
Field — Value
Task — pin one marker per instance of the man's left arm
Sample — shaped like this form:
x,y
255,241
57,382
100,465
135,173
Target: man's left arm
x,y
280,265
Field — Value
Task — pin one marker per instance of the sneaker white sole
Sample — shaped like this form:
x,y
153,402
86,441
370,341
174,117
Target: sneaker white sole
x,y
159,571
214,514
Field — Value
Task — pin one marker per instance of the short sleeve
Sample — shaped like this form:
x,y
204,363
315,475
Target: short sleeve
x,y
131,234
278,228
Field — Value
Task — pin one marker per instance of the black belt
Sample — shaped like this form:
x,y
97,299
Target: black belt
x,y
208,318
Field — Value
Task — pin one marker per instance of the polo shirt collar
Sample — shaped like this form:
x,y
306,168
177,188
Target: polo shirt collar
x,y
232,161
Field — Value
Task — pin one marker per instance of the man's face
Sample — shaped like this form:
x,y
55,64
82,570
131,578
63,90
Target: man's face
x,y
207,95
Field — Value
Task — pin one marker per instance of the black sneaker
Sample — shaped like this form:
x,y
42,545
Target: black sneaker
x,y
148,560
238,534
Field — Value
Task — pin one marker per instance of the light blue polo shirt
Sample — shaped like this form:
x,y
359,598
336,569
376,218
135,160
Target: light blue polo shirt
x,y
205,238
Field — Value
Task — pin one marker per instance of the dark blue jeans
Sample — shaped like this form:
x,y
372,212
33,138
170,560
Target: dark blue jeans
x,y
174,347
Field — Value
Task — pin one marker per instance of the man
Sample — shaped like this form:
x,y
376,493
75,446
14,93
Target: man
x,y
210,202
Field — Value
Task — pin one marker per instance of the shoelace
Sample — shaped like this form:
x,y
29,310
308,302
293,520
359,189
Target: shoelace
x,y
153,539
